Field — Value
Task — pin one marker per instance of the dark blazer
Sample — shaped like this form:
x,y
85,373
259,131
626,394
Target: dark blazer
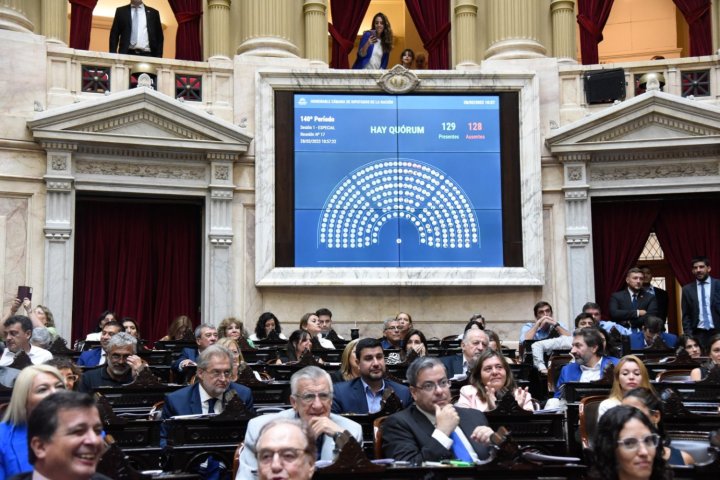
x,y
661,296
186,401
407,435
637,340
691,305
122,29
186,354
99,377
90,358
622,311
453,364
349,397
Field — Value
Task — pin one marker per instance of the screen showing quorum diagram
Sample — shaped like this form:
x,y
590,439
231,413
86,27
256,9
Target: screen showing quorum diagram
x,y
397,181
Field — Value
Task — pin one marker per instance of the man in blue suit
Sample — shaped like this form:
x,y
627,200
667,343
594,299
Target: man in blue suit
x,y
590,363
364,394
96,356
473,343
205,336
209,395
652,328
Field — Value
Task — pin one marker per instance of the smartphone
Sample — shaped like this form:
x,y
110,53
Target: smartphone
x,y
24,292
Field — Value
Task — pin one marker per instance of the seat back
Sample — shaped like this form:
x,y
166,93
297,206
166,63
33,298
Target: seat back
x,y
377,427
679,375
555,364
588,412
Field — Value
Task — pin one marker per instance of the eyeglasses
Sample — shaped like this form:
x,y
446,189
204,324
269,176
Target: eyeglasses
x,y
219,373
431,386
393,328
287,455
308,398
632,443
116,357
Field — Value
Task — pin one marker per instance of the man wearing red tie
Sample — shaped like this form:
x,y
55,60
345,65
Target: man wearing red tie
x,y
136,30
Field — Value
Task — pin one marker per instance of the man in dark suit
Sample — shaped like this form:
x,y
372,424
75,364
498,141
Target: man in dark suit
x,y
661,296
205,336
147,40
96,356
123,365
473,343
433,429
364,394
209,395
650,331
701,303
629,306
62,427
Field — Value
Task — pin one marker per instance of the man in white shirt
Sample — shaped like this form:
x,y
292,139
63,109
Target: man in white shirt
x,y
136,30
18,332
563,342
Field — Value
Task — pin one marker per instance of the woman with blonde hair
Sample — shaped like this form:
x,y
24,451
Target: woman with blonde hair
x,y
32,385
349,369
238,360
180,329
629,373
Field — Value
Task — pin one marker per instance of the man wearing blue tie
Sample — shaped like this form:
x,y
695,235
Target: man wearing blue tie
x,y
701,303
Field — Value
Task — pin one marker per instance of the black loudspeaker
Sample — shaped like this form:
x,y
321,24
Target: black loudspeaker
x,y
605,86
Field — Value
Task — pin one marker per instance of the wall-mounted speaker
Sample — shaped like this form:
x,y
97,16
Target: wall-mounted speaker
x,y
605,86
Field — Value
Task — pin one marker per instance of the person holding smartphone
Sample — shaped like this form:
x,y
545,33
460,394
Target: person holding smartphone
x,y
375,45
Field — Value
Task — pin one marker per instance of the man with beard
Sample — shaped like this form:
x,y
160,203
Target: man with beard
x,y
473,343
65,438
701,303
97,356
123,365
364,394
590,363
432,429
629,306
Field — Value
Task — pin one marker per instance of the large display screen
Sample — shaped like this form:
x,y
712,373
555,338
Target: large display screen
x,y
397,181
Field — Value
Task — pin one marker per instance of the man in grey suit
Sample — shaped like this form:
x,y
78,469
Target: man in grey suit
x,y
311,398
701,303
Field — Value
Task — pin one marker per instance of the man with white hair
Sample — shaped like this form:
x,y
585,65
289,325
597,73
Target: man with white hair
x,y
473,343
311,398
286,449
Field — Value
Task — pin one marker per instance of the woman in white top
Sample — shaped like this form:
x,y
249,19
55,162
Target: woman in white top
x,y
489,379
267,328
310,323
375,45
629,373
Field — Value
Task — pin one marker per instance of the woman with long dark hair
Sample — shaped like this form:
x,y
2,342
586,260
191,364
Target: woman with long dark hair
x,y
375,45
267,328
714,354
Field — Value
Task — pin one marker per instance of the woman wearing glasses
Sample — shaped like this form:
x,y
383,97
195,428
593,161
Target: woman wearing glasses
x,y
645,400
626,447
489,380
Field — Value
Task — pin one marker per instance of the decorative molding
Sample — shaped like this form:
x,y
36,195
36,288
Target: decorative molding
x,y
140,153
652,154
222,172
138,117
577,240
59,145
174,172
655,118
574,174
634,172
57,235
399,80
221,194
59,185
576,195
220,241
58,162
229,157
574,157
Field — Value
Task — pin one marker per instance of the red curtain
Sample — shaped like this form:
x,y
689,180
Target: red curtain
x,y
619,233
188,14
592,16
80,23
347,15
432,20
698,13
141,260
688,228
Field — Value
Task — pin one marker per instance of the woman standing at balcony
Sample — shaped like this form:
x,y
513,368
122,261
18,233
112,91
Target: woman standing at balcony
x,y
375,45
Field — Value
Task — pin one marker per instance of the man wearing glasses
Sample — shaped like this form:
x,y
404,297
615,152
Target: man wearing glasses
x,y
365,393
286,449
311,398
122,365
208,395
433,429
392,334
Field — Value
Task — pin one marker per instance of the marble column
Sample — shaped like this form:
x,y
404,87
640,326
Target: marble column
x,y
218,292
59,205
316,39
514,29
563,30
54,21
13,17
266,27
578,230
219,28
466,33
715,26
